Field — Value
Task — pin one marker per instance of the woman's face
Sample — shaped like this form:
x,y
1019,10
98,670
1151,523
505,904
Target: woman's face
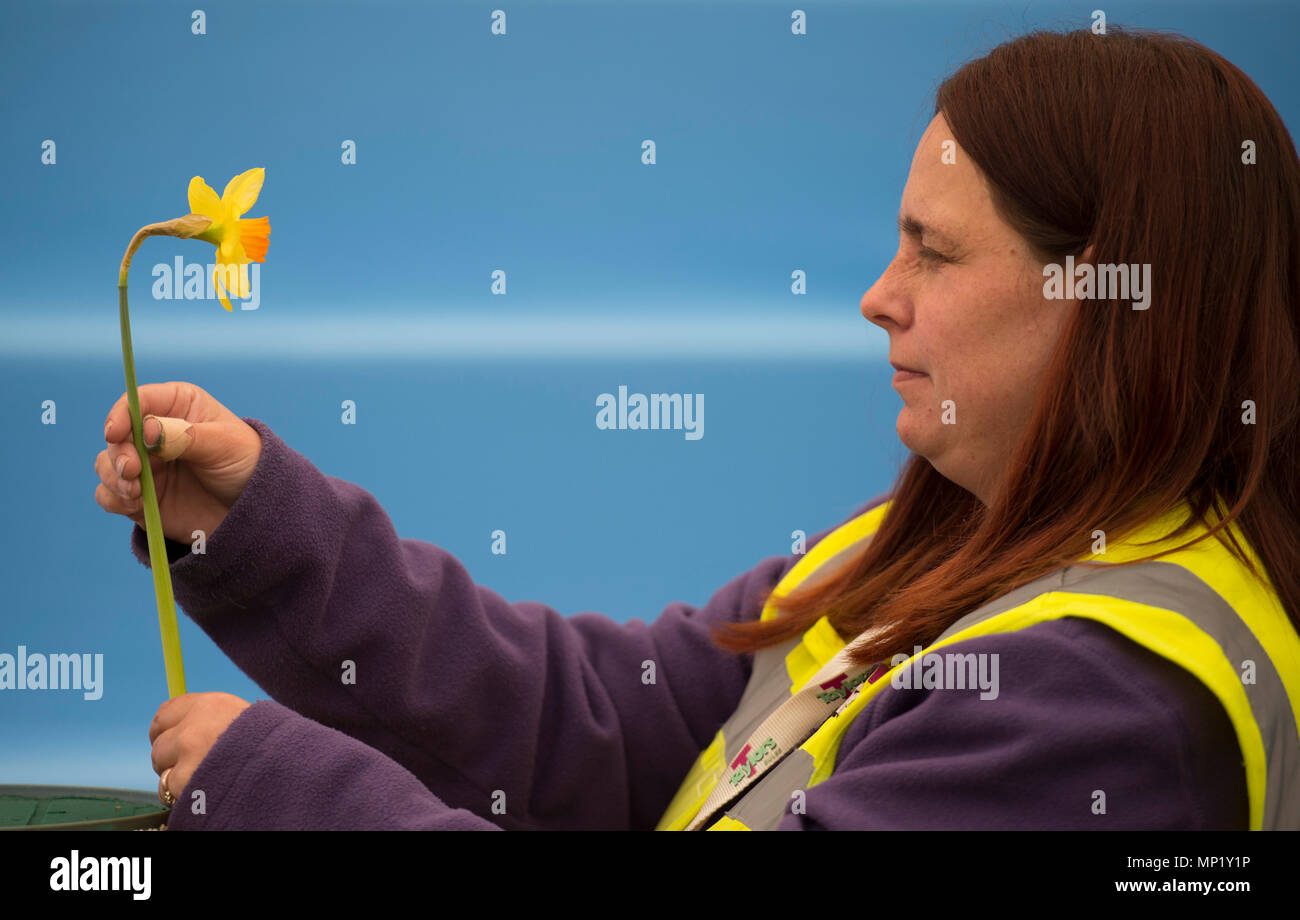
x,y
963,304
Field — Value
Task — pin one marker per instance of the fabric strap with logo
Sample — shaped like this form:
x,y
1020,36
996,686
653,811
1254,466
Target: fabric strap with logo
x,y
823,696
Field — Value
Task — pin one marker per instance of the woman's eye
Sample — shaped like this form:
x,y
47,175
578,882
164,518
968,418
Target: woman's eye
x,y
931,256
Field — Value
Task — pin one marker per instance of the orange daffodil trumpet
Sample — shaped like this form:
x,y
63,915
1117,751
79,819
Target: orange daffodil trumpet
x,y
239,241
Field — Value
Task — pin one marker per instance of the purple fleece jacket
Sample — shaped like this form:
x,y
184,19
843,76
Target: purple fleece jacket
x,y
473,713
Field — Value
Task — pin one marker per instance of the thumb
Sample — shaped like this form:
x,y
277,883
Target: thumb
x,y
170,438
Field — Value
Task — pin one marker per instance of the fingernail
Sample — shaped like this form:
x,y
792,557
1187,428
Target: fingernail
x,y
121,466
124,489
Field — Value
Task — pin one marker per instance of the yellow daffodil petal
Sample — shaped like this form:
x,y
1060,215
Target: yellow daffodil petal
x,y
232,276
255,237
242,191
203,200
231,250
221,292
232,281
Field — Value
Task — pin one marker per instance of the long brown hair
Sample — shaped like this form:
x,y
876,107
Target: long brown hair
x,y
1132,143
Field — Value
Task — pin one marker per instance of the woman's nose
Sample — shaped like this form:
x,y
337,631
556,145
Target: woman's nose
x,y
884,303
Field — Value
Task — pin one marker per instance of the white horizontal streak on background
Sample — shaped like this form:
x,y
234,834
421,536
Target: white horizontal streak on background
x,y
370,335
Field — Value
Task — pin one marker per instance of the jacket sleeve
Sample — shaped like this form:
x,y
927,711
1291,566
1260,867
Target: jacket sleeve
x,y
1088,731
572,722
274,769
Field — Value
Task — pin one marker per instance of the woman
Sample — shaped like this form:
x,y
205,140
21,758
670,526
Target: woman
x,y
945,659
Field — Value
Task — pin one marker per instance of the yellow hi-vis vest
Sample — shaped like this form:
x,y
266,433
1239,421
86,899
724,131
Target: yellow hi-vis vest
x,y
1198,607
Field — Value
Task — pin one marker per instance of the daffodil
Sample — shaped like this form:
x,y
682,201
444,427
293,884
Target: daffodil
x,y
239,241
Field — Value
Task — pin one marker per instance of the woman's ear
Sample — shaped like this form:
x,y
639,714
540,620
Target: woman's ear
x,y
1085,256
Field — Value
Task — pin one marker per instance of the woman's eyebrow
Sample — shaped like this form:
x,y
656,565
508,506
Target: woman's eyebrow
x,y
912,227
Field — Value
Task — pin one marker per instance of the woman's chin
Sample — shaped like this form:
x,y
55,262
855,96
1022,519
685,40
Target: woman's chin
x,y
916,433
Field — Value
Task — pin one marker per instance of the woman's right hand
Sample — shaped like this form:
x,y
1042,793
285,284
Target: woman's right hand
x,y
198,487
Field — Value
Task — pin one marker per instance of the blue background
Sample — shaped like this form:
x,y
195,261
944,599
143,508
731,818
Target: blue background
x,y
475,153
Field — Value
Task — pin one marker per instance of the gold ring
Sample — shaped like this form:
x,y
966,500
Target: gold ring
x,y
165,795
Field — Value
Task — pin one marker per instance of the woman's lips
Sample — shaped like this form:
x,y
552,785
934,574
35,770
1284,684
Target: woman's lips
x,y
903,374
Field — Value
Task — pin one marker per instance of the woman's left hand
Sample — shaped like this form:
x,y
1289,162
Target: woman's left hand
x,y
184,730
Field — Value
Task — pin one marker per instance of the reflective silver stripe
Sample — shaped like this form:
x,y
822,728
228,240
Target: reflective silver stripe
x,y
768,688
768,801
1172,587
769,683
831,564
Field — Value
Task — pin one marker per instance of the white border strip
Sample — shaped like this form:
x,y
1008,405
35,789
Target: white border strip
x,y
227,336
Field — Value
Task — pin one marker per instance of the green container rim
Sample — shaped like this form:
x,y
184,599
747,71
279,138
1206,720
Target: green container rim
x,y
130,823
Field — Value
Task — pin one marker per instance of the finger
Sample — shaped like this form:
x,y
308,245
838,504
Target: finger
x,y
179,778
170,713
166,750
172,398
124,459
126,488
168,438
125,448
116,504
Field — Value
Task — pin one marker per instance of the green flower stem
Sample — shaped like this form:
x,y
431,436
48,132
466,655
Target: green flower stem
x,y
158,562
